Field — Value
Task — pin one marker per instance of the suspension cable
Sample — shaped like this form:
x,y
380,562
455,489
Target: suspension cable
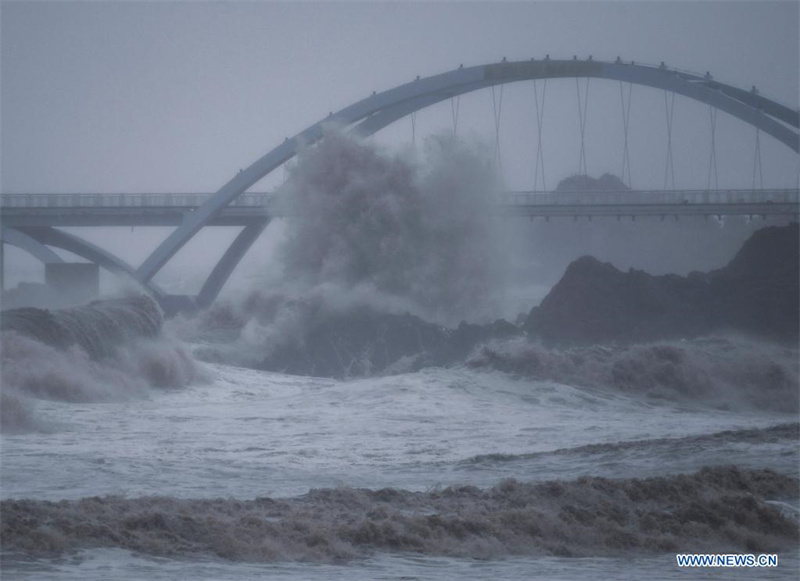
x,y
582,121
712,160
455,105
757,162
626,117
414,128
669,171
539,119
497,106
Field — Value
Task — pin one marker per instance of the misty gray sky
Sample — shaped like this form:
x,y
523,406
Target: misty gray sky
x,y
178,96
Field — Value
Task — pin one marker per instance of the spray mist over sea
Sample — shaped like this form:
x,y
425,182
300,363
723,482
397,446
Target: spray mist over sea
x,y
372,230
393,229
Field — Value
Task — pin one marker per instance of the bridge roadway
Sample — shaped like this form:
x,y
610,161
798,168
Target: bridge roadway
x,y
65,210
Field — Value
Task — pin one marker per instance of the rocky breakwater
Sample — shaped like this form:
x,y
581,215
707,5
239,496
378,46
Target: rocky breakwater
x,y
755,294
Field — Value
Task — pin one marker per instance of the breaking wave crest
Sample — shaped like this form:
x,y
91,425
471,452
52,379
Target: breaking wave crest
x,y
97,328
727,372
108,350
658,446
716,509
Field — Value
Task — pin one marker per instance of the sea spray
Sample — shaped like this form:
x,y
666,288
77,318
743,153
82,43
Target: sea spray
x,y
381,251
729,372
419,234
309,337
108,350
314,336
97,328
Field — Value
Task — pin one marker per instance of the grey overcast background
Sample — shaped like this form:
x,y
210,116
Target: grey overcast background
x,y
178,96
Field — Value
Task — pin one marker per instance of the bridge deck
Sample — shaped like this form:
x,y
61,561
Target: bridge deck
x,y
21,210
652,203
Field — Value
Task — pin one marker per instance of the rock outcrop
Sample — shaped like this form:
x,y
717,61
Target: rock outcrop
x,y
757,293
362,342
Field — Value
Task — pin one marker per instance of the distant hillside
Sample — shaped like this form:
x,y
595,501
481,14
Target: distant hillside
x,y
583,183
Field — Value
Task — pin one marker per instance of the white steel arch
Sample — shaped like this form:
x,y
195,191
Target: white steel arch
x,y
380,109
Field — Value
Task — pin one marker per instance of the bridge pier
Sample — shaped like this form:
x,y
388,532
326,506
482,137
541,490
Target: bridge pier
x,y
70,242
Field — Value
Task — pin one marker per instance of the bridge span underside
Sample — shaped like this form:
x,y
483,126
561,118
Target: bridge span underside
x,y
231,206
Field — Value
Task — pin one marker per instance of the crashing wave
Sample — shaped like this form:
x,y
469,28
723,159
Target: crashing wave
x,y
714,510
107,350
654,446
97,328
728,372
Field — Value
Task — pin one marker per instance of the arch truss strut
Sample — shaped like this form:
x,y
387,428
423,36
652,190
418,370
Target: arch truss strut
x,y
582,105
669,168
757,170
626,122
539,119
497,110
455,105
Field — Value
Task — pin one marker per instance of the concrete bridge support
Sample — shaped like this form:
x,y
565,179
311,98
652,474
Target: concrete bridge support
x,y
24,242
48,236
37,240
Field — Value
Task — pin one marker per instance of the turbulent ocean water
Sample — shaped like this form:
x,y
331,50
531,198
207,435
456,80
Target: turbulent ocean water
x,y
135,449
348,477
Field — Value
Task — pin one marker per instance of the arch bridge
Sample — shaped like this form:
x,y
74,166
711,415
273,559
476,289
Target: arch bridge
x,y
229,206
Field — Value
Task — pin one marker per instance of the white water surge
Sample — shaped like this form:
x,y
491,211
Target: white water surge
x,y
252,434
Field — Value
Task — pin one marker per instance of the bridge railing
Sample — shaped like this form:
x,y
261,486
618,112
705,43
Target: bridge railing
x,y
189,201
178,201
649,197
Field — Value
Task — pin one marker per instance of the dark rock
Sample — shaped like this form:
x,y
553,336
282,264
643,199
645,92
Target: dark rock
x,y
361,341
171,305
756,293
769,251
355,343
